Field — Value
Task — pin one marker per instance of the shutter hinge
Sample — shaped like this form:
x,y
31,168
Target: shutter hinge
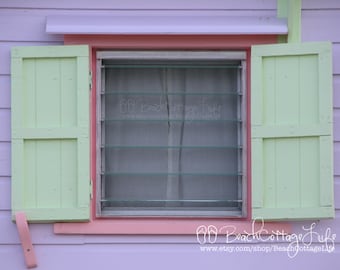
x,y
91,190
90,80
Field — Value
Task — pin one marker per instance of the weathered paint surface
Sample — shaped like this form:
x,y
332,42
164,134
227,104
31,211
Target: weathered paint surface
x,y
22,23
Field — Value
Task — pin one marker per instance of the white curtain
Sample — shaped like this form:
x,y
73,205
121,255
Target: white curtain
x,y
170,136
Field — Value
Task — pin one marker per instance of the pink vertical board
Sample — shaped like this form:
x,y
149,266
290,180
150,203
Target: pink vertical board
x,y
25,239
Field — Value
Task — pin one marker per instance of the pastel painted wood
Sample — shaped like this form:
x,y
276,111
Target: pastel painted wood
x,y
291,117
50,132
25,238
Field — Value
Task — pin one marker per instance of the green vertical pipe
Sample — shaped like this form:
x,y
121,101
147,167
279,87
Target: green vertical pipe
x,y
290,9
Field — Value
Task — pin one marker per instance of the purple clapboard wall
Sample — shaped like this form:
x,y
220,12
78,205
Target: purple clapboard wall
x,y
22,23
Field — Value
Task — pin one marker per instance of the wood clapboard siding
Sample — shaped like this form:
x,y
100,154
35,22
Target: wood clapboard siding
x,y
165,257
5,120
34,28
5,92
336,158
336,91
11,236
26,21
336,56
336,128
323,4
156,4
5,159
326,21
140,5
5,195
337,193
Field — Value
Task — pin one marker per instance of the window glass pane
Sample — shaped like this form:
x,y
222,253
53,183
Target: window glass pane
x,y
170,137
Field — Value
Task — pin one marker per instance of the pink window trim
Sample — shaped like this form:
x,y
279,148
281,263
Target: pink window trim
x,y
165,225
174,226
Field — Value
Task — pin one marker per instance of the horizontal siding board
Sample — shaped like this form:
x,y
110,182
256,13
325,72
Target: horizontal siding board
x,y
33,30
337,193
5,124
5,159
336,91
318,25
323,4
143,12
137,4
336,57
336,125
11,236
264,14
5,55
5,92
133,239
165,257
5,193
336,158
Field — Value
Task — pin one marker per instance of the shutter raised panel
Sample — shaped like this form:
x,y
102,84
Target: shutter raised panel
x,y
291,119
50,133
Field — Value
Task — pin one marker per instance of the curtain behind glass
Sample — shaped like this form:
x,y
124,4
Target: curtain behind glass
x,y
165,142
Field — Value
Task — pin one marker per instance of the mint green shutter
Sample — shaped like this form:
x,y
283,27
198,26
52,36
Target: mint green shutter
x,y
50,132
291,118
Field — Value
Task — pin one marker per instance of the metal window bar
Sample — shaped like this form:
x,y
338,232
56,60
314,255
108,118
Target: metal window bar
x,y
170,200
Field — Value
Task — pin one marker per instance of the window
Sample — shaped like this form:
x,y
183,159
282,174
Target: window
x,y
289,145
171,133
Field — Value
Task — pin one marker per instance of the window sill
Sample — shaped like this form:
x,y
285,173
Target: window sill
x,y
170,226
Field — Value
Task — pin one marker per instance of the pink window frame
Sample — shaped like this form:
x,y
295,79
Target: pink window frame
x,y
166,225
